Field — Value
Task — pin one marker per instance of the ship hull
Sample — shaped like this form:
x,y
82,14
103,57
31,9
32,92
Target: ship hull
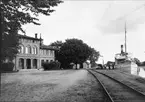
x,y
129,67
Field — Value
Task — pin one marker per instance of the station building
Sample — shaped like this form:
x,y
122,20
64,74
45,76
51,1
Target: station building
x,y
33,53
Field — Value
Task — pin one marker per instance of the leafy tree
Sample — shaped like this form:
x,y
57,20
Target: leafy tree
x,y
57,44
93,57
137,61
10,46
143,63
74,51
14,14
110,64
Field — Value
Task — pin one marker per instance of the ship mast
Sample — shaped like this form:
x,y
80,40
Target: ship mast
x,y
125,39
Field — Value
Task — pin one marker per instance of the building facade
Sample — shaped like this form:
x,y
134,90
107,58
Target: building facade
x,y
33,53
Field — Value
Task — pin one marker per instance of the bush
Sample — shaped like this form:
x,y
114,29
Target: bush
x,y
53,65
7,66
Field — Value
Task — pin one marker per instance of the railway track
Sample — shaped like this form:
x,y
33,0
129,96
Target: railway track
x,y
139,85
117,91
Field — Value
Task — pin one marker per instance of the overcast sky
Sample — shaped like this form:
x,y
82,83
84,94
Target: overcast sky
x,y
100,24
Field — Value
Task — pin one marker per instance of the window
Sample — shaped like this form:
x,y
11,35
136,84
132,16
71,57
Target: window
x,y
21,50
51,53
35,50
48,52
28,49
43,52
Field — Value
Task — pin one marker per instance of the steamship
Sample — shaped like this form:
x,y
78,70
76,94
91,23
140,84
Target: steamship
x,y
125,62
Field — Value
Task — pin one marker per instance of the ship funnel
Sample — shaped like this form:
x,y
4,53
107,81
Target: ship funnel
x,y
121,49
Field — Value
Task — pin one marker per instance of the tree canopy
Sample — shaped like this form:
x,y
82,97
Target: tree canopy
x,y
14,14
137,61
74,51
93,57
57,44
18,12
143,63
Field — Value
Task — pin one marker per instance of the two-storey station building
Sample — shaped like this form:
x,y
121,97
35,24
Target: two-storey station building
x,y
33,53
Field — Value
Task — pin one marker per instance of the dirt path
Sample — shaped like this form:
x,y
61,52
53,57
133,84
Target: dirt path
x,y
52,86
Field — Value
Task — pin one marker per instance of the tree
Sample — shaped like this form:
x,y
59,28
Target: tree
x,y
74,51
10,46
57,44
93,57
110,64
137,61
143,63
14,14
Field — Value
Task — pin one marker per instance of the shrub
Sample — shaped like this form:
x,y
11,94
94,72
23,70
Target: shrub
x,y
7,66
53,65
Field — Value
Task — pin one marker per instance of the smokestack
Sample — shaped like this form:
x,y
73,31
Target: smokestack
x,y
121,49
35,35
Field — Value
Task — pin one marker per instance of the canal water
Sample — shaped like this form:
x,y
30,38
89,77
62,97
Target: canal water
x,y
141,72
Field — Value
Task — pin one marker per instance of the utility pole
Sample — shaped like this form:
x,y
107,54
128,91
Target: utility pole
x,y
125,39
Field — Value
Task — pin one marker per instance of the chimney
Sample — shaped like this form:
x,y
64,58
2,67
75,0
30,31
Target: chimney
x,y
35,35
121,49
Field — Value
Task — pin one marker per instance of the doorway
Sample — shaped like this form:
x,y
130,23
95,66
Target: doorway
x,y
28,63
21,63
35,63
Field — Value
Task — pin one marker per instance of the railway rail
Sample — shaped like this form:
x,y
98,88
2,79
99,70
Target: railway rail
x,y
117,91
105,90
140,82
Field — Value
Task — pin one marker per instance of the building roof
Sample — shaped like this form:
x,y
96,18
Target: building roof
x,y
28,37
39,39
48,47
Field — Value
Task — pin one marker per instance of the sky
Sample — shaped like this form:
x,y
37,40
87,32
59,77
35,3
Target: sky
x,y
100,24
